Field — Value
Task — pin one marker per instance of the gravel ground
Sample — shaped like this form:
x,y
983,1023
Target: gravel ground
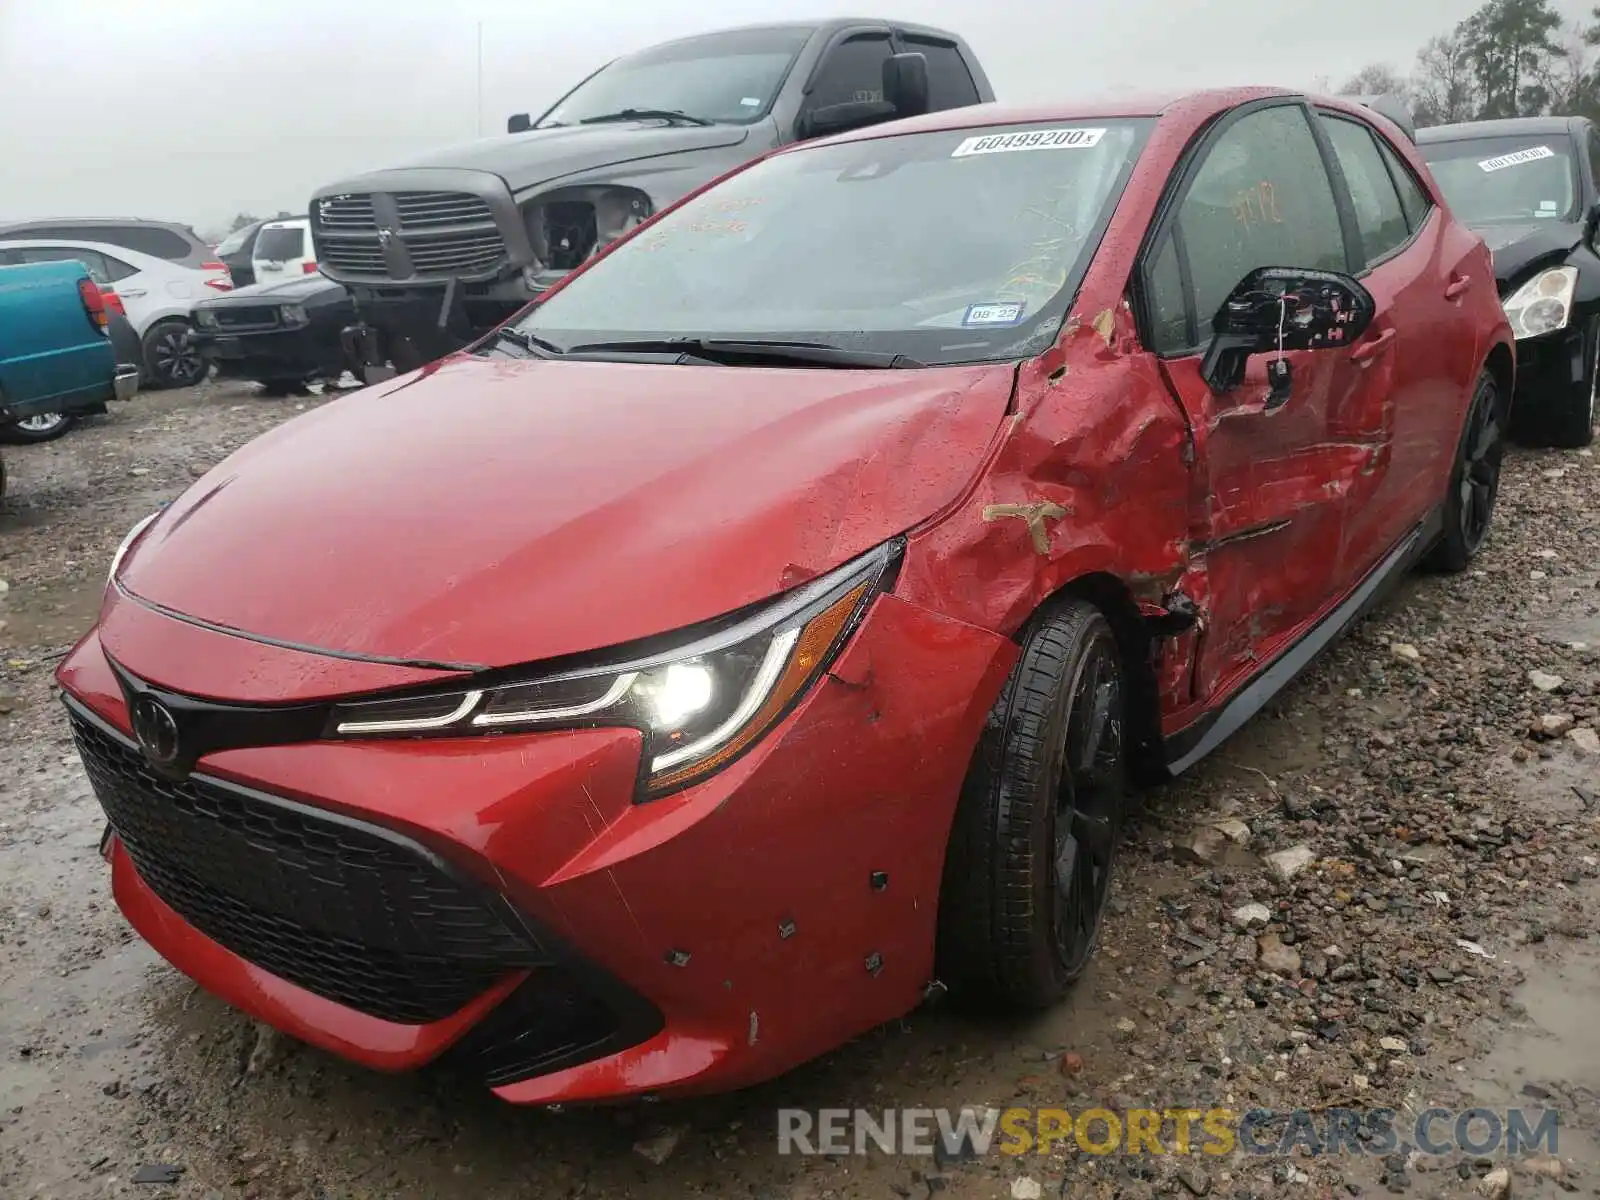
x,y
1439,769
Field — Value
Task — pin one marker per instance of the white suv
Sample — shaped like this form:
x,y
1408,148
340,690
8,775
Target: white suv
x,y
283,251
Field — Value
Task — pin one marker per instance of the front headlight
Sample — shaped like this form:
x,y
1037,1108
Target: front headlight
x,y
699,705
127,543
294,314
1543,304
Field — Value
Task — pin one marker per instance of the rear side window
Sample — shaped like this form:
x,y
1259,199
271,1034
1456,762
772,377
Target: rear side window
x,y
1414,200
277,245
1260,197
949,82
1378,213
93,261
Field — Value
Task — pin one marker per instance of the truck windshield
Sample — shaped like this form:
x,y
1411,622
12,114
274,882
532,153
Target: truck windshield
x,y
945,247
732,77
1498,180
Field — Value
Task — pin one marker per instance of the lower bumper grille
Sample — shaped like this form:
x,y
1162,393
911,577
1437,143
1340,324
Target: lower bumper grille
x,y
353,913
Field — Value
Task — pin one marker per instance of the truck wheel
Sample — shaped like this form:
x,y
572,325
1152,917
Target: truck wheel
x,y
171,360
1028,869
44,427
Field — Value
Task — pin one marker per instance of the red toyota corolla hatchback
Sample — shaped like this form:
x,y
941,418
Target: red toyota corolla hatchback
x,y
761,630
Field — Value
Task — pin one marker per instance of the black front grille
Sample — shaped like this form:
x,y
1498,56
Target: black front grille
x,y
236,316
353,913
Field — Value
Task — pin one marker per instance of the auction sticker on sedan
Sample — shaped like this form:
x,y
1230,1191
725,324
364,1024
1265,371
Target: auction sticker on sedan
x,y
1029,139
1533,154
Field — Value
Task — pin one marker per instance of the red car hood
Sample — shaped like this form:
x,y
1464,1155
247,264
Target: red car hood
x,y
493,512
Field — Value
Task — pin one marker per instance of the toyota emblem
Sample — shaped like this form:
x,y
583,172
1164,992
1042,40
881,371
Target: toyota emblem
x,y
156,730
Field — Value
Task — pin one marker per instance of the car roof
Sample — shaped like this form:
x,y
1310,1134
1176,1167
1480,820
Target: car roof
x,y
109,249
45,222
1196,102
821,25
285,222
1506,127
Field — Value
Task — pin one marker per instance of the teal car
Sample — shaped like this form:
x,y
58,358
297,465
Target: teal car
x,y
56,353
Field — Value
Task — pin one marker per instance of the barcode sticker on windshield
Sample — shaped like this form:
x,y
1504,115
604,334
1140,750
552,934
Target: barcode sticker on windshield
x,y
1029,139
1521,156
994,313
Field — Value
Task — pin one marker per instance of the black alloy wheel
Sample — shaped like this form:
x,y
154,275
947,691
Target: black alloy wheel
x,y
1029,865
1474,480
172,360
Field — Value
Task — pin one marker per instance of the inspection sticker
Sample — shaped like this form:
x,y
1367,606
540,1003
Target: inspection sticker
x,y
1533,154
1029,139
993,313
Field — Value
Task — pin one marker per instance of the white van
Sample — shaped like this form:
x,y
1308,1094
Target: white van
x,y
283,251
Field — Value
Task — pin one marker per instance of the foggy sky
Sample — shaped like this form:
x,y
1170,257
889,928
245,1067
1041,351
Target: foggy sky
x,y
194,110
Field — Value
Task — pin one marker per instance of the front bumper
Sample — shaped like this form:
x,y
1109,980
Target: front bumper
x,y
1549,364
519,910
304,352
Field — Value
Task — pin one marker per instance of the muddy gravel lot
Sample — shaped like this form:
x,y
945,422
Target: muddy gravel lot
x,y
1384,892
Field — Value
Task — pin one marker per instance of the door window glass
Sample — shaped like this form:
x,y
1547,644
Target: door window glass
x,y
1378,213
949,82
1261,198
852,72
1413,198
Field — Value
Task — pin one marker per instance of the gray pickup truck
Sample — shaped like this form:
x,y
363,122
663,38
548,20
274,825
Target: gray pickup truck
x,y
437,252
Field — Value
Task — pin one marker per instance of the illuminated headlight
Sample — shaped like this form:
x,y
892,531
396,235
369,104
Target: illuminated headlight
x,y
205,317
699,705
294,314
127,544
1543,304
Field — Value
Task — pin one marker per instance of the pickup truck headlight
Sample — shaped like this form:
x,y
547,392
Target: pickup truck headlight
x,y
699,705
1543,304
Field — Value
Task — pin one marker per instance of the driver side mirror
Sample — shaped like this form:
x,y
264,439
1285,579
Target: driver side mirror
x,y
519,123
1283,308
905,94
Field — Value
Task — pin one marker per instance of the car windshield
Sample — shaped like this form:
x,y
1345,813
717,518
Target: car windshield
x,y
1507,179
954,246
730,77
276,245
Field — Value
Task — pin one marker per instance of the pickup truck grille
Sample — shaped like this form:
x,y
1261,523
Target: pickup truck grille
x,y
433,235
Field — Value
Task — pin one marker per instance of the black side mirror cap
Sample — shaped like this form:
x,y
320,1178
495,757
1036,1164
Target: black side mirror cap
x,y
519,123
1284,308
905,83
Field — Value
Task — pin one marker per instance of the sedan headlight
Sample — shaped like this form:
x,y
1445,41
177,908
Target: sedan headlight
x,y
127,544
294,314
1543,304
699,705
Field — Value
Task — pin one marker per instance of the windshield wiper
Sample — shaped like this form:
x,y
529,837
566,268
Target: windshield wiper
x,y
755,353
535,346
644,114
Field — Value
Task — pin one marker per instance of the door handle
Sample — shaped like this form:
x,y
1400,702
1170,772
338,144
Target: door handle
x,y
1457,287
1367,351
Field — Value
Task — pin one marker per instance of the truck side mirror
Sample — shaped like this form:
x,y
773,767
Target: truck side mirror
x,y
905,83
519,123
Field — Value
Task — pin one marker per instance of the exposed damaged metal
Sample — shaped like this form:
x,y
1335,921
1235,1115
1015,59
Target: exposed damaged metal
x,y
879,881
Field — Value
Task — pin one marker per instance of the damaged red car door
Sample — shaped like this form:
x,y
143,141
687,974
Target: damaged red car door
x,y
1270,506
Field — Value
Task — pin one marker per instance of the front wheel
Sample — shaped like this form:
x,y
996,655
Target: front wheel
x,y
1474,481
42,427
171,358
1028,869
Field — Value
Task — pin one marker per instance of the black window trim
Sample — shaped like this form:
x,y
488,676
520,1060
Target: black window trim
x,y
1177,190
1371,265
908,40
840,37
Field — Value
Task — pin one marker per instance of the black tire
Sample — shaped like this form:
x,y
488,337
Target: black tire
x,y
1018,921
282,387
1569,416
1474,480
170,359
45,427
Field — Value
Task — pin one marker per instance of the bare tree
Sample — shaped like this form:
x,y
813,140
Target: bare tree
x,y
1569,76
1442,87
1377,79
